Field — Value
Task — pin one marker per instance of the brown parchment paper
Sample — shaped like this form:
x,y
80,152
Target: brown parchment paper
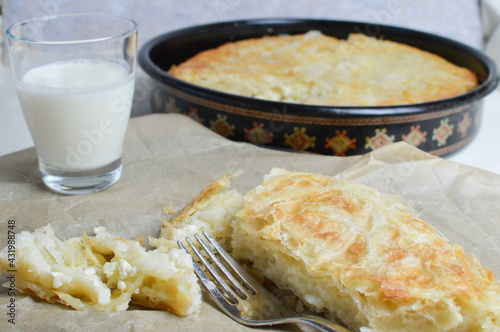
x,y
168,158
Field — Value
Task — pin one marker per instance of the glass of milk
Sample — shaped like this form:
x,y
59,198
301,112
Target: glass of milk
x,y
74,76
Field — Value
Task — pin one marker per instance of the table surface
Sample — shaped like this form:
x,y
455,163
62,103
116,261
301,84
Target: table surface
x,y
483,152
162,169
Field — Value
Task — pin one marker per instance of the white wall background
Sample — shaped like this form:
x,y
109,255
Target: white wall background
x,y
458,19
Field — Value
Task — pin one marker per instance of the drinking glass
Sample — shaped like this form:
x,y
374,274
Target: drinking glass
x,y
75,77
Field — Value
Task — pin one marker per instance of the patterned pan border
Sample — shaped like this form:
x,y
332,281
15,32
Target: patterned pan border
x,y
438,133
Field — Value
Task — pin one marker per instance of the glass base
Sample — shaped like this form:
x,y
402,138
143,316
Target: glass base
x,y
76,182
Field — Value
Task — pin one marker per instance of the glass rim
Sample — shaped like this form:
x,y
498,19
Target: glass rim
x,y
127,32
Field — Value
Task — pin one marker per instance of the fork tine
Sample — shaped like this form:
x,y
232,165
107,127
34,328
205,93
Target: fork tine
x,y
250,283
237,287
254,310
199,272
227,290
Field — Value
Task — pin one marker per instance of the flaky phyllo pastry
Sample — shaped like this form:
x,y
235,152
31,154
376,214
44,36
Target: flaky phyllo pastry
x,y
346,250
362,256
103,273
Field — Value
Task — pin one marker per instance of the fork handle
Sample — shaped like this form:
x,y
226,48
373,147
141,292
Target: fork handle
x,y
318,322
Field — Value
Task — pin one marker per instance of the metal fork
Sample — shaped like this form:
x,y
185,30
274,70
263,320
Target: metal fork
x,y
246,301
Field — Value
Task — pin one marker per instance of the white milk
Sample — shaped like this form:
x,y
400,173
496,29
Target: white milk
x,y
77,112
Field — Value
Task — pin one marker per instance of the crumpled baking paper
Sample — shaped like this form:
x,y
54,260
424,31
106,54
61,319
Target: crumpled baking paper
x,y
169,158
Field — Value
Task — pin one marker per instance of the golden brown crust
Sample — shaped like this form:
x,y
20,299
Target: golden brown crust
x,y
344,247
211,210
316,69
199,201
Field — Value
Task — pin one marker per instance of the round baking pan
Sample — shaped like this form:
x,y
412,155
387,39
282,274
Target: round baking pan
x,y
438,127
